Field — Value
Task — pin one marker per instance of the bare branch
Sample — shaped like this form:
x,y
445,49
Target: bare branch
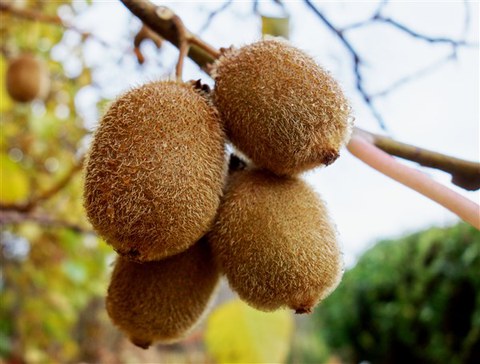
x,y
424,37
357,25
381,6
365,22
356,63
415,75
466,21
16,217
379,18
458,168
213,14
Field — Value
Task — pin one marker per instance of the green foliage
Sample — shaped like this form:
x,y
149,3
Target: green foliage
x,y
51,263
416,299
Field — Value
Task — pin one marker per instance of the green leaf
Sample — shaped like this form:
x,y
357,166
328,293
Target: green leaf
x,y
237,333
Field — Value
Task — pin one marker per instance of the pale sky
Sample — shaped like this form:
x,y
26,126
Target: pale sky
x,y
440,111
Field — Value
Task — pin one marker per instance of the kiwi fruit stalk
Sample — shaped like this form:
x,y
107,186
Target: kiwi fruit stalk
x,y
162,301
155,171
275,243
27,79
281,109
145,33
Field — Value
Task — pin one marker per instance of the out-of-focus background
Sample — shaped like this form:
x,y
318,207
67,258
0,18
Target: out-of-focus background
x,y
411,292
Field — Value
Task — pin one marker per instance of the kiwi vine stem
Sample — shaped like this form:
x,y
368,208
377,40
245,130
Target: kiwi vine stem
x,y
370,148
465,174
165,22
386,164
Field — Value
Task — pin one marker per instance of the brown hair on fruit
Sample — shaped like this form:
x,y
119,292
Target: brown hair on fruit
x,y
27,79
162,301
155,171
279,107
275,242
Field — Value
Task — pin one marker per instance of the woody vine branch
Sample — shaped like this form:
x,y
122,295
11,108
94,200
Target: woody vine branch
x,y
465,174
165,23
169,26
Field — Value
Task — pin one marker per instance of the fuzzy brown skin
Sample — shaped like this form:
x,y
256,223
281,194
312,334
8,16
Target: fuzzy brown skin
x,y
162,301
280,108
155,171
275,243
27,79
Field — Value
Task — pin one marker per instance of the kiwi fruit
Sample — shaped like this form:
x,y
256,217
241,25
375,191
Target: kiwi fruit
x,y
275,243
281,109
162,301
155,171
27,79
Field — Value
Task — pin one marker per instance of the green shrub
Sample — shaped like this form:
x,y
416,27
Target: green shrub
x,y
412,300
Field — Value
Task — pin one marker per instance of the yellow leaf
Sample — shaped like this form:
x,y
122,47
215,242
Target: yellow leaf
x,y
237,333
13,181
278,27
5,100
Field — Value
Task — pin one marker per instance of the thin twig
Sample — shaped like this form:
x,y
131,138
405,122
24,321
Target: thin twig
x,y
365,22
446,163
423,37
143,34
386,164
377,17
160,21
213,14
184,45
414,75
255,7
356,63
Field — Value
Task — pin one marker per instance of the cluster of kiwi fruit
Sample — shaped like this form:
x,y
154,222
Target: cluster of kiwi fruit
x,y
159,189
27,78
